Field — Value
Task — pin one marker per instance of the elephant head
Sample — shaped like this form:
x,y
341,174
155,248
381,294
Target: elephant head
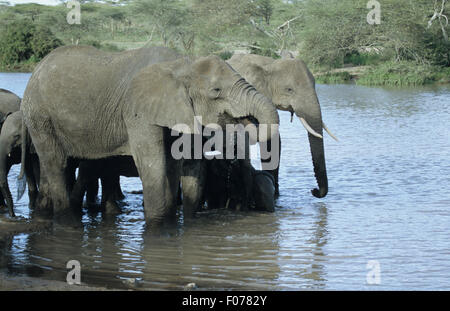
x,y
208,88
9,102
291,86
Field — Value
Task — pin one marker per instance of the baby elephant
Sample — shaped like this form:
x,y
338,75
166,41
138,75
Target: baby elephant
x,y
10,154
236,184
264,191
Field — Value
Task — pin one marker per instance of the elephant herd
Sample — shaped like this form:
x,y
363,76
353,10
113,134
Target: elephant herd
x,y
115,114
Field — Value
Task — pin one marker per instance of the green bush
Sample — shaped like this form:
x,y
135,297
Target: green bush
x,y
404,73
226,55
361,59
22,41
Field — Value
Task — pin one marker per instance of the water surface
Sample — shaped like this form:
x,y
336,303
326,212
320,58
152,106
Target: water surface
x,y
389,201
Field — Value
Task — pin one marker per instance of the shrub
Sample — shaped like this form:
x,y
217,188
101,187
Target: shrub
x,y
226,55
22,41
404,73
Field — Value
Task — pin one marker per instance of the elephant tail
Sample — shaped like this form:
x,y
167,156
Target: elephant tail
x,y
21,184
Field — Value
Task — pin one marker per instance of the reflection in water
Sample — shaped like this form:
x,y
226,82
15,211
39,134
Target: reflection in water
x,y
387,201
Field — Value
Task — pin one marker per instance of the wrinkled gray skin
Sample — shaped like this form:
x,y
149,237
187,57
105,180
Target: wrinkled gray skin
x,y
10,154
291,87
84,103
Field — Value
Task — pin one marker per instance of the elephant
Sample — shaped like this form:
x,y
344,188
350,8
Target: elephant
x,y
236,184
10,154
84,103
263,191
291,87
9,103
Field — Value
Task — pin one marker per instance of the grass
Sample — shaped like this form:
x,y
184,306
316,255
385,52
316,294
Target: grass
x,y
334,77
404,74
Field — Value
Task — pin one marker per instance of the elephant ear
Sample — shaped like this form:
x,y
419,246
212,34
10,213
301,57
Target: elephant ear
x,y
3,117
158,97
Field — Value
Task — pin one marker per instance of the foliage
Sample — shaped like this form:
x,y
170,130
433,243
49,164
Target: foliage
x,y
225,55
22,41
327,34
404,73
334,78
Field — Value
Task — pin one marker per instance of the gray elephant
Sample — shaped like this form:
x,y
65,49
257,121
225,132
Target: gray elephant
x,y
291,87
84,103
9,102
10,154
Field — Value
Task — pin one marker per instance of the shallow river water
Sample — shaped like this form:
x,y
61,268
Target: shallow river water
x,y
387,211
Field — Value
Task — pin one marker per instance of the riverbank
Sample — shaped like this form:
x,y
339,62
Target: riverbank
x,y
386,74
25,283
383,74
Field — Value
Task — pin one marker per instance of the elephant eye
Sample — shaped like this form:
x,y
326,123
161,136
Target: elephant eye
x,y
289,90
215,92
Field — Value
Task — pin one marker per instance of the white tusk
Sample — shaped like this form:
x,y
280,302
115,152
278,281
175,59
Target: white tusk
x,y
328,131
309,128
9,155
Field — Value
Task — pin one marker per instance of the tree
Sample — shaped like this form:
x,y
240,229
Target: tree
x,y
166,16
264,8
22,40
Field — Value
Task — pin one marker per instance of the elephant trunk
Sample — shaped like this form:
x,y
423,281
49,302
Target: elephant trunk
x,y
257,106
4,187
313,123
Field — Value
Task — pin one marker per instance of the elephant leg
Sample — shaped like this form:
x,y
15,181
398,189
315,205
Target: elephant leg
x,y
31,181
109,202
92,191
5,191
159,172
116,190
193,186
54,190
80,186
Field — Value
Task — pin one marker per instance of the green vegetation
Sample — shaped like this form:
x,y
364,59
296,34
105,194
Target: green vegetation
x,y
409,47
22,44
334,77
404,73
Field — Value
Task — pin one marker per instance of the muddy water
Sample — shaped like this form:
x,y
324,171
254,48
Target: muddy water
x,y
388,202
